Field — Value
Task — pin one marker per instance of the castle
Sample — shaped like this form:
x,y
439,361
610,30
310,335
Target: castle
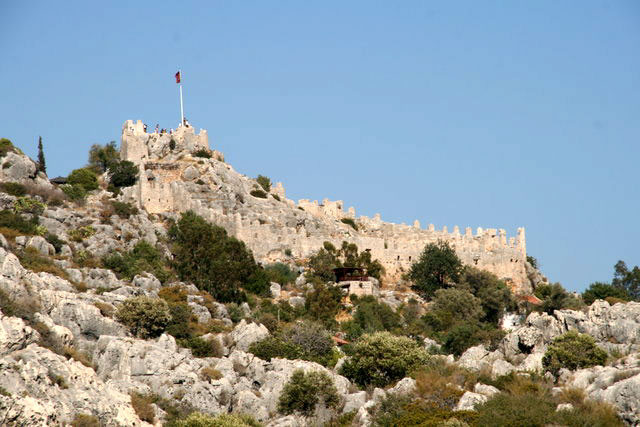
x,y
179,172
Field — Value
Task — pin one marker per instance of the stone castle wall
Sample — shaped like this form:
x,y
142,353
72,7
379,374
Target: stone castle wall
x,y
173,180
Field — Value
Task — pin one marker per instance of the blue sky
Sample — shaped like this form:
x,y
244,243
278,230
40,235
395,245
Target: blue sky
x,y
493,114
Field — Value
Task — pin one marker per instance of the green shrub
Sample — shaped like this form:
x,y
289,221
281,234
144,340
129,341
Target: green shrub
x,y
258,283
123,174
280,273
85,178
6,147
124,210
205,255
304,340
438,267
81,233
77,193
323,303
494,294
382,358
201,347
305,390
264,182
276,347
181,317
258,193
460,337
373,316
203,153
28,205
282,311
143,257
402,411
508,410
13,188
599,290
146,317
197,419
351,222
10,219
314,340
555,297
573,351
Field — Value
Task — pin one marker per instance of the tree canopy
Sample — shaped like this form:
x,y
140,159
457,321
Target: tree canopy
x,y
626,279
101,157
123,173
205,255
438,267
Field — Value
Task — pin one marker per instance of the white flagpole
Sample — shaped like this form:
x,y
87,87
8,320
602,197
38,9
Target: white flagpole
x,y
181,105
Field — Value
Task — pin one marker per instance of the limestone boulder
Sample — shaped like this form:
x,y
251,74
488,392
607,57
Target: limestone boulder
x,y
245,334
15,334
487,390
403,387
275,289
17,167
146,281
470,400
191,173
354,401
41,245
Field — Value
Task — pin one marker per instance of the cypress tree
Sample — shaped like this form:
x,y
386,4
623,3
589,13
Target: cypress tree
x,y
42,166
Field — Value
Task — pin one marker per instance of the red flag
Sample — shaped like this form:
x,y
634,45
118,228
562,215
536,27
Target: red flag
x,y
178,77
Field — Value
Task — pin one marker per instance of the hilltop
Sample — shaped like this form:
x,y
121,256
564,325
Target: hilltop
x,y
178,291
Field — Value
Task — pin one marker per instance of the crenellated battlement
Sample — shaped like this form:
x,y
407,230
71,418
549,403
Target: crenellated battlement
x,y
173,180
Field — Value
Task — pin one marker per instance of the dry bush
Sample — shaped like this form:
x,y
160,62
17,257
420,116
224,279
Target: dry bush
x,y
32,260
78,356
173,294
50,195
142,405
85,420
106,309
210,373
10,234
79,286
47,338
439,390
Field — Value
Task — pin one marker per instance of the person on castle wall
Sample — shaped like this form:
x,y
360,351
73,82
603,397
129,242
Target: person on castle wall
x,y
186,122
157,127
171,131
145,128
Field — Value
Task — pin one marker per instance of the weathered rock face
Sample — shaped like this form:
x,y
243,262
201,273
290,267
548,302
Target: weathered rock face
x,y
46,389
245,334
614,328
618,385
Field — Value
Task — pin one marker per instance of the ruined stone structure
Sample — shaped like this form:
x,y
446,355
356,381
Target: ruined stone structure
x,y
173,179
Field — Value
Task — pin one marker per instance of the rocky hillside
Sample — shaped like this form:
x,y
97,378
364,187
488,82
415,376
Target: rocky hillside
x,y
70,356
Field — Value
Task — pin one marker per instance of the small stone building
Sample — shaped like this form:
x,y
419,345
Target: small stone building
x,y
354,281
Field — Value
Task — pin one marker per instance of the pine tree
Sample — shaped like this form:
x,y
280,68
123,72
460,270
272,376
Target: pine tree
x,y
42,166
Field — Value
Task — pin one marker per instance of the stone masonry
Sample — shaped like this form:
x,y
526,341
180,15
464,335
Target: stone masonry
x,y
173,180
